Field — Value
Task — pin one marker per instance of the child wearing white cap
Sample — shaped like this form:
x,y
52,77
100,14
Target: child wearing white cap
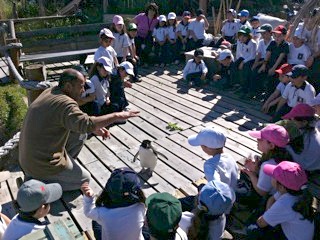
x,y
222,78
101,71
172,38
208,220
160,34
220,166
117,82
299,52
105,49
33,199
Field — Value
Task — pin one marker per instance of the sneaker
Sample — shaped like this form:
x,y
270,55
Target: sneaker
x,y
176,62
162,65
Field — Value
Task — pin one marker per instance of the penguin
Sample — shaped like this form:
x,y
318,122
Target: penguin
x,y
148,156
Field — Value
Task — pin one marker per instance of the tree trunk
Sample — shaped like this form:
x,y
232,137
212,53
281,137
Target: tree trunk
x,y
42,11
203,4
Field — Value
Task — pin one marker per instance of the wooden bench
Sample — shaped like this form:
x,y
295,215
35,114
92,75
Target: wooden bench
x,y
60,43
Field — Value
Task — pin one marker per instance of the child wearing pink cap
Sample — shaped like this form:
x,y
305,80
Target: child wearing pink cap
x,y
271,142
121,40
304,117
291,206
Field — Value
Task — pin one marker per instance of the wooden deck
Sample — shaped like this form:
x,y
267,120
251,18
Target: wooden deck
x,y
162,97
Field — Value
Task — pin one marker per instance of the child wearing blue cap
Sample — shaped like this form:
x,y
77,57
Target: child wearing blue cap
x,y
243,18
208,220
118,212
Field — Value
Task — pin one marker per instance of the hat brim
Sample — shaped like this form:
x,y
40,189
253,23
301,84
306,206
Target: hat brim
x,y
187,16
261,31
243,32
255,134
107,68
276,32
289,115
4,175
194,140
279,71
54,192
130,72
221,59
269,169
108,36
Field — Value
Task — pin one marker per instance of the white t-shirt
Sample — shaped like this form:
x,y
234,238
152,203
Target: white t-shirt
x,y
198,28
309,158
230,28
120,42
262,47
295,95
216,227
101,89
117,223
293,226
264,180
160,34
255,34
298,55
108,52
246,51
281,87
222,167
17,229
192,67
171,31
89,90
183,29
312,43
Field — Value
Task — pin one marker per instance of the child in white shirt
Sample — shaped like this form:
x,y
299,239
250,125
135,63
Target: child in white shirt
x,y
121,41
299,53
195,70
119,210
160,33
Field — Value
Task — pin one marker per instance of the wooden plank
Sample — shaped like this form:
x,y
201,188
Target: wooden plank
x,y
146,107
94,27
164,108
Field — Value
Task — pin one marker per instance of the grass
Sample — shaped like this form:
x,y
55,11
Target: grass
x,y
12,110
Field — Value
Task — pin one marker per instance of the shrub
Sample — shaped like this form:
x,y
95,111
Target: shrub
x,y
12,110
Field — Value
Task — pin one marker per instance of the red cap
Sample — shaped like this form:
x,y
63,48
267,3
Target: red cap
x,y
280,29
284,69
300,110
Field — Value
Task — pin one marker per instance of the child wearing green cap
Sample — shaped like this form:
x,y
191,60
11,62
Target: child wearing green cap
x,y
163,216
133,57
245,56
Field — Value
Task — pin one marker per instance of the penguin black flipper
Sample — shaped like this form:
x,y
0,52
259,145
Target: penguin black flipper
x,y
158,153
135,156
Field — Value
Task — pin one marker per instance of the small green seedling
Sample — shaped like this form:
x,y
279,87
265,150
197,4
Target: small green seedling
x,y
173,126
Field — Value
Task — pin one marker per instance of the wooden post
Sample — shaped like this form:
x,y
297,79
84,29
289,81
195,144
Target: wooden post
x,y
203,4
105,6
42,11
15,56
35,72
3,36
12,29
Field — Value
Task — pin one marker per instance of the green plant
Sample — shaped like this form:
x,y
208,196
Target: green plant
x,y
174,126
12,110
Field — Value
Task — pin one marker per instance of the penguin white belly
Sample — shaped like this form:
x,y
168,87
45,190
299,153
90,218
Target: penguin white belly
x,y
147,158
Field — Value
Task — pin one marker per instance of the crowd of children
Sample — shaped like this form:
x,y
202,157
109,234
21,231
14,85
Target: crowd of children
x,y
273,185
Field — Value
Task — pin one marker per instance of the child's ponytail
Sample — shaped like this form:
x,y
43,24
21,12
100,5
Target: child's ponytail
x,y
199,228
304,203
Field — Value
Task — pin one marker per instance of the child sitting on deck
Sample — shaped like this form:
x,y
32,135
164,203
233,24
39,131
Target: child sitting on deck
x,y
195,70
133,57
230,26
33,201
160,33
119,211
182,32
222,79
271,142
291,206
275,97
208,220
105,49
